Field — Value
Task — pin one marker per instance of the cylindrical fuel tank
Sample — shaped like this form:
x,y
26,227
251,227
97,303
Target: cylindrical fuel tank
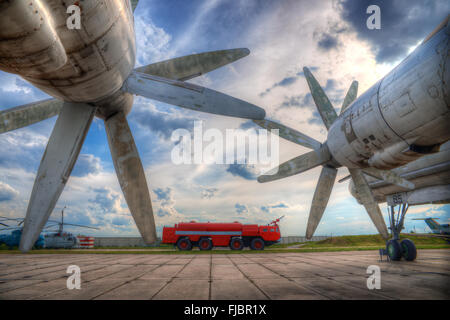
x,y
402,116
100,55
29,44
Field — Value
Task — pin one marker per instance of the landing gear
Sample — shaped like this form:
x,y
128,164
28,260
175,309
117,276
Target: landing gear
x,y
395,248
409,250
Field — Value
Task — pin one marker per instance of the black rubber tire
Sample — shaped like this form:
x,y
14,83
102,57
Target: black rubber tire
x,y
184,244
394,250
409,251
234,242
202,244
257,244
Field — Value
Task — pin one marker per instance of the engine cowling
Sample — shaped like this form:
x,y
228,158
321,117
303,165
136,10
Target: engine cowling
x,y
29,44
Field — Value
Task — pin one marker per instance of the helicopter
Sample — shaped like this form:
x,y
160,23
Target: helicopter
x,y
53,239
13,239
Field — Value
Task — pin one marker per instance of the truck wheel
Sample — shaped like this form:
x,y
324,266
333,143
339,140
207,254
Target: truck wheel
x,y
257,244
184,244
205,244
236,244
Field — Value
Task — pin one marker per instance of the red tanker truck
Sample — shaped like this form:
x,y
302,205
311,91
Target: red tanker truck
x,y
186,235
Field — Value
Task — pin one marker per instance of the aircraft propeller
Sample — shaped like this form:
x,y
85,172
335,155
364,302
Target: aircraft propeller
x,y
321,156
162,81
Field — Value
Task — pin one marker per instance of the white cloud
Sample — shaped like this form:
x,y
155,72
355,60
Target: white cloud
x,y
7,192
152,42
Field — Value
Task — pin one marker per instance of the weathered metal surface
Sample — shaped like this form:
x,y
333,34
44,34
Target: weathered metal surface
x,y
118,102
131,175
190,96
390,177
406,111
428,171
191,66
29,43
19,117
298,165
290,134
367,199
99,56
56,166
320,199
324,106
351,95
434,194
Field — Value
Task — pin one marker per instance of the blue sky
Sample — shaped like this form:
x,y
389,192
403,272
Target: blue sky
x,y
328,36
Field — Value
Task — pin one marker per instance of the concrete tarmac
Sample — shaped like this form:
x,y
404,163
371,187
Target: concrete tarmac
x,y
324,275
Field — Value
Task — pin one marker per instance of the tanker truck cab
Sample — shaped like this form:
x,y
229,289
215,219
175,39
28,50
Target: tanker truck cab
x,y
270,234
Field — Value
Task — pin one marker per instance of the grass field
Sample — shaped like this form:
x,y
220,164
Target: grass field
x,y
342,243
362,241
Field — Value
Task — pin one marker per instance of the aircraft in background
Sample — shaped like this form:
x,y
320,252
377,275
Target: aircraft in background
x,y
91,72
389,138
12,239
436,227
52,239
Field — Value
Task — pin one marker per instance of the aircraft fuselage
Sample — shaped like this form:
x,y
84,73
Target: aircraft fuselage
x,y
403,116
430,175
87,65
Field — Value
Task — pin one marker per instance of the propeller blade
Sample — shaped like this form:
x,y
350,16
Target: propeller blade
x,y
22,116
389,177
131,175
350,96
320,199
298,165
190,96
134,4
290,134
344,178
323,104
56,166
195,65
366,197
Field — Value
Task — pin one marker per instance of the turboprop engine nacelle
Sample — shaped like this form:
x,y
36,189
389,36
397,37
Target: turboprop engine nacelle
x,y
403,116
30,45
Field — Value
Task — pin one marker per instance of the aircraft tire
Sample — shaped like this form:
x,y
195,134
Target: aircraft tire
x,y
394,250
409,251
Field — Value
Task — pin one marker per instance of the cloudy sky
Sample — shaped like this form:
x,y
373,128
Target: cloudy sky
x,y
283,36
